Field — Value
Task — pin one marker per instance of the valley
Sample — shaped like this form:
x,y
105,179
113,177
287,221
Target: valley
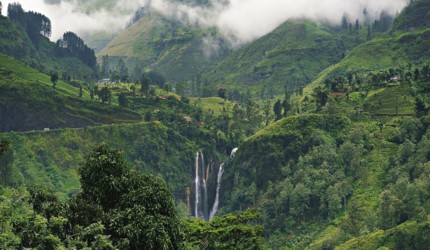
x,y
312,136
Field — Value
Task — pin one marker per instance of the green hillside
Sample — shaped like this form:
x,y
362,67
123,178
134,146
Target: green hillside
x,y
415,15
52,158
15,42
320,180
168,47
266,66
288,58
28,102
387,52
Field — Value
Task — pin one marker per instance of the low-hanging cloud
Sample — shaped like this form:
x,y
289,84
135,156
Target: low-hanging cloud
x,y
242,21
239,21
70,16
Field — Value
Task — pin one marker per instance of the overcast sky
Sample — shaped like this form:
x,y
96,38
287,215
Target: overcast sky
x,y
241,20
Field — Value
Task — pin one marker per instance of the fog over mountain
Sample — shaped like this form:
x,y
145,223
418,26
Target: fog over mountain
x,y
240,21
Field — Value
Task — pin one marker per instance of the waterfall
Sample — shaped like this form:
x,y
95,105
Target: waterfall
x,y
233,152
197,187
205,190
218,186
201,203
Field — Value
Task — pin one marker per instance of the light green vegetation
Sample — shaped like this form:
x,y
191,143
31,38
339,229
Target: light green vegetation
x,y
27,73
52,158
31,103
215,104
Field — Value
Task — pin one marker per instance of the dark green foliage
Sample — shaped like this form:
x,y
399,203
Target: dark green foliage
x,y
421,108
34,48
72,45
102,176
286,105
122,100
145,83
321,97
34,23
122,194
415,15
406,177
384,23
232,231
45,202
6,160
16,13
105,95
122,71
222,93
54,79
277,109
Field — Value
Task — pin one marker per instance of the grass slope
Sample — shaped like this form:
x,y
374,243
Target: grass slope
x,y
28,102
215,104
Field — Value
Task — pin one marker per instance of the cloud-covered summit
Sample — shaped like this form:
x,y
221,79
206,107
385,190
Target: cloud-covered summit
x,y
240,21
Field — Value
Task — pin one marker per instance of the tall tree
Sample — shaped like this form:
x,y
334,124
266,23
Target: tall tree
x,y
369,33
115,194
277,109
54,79
321,97
122,70
104,70
16,13
105,95
286,104
6,159
145,82
357,26
72,45
122,100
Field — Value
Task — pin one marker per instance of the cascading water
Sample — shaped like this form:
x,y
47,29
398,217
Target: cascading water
x,y
201,195
197,187
218,186
205,190
233,152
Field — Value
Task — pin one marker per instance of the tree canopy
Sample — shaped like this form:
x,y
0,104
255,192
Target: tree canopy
x,y
72,45
114,194
34,23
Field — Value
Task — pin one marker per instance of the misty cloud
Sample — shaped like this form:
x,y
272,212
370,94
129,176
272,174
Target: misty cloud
x,y
242,21
239,21
70,15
